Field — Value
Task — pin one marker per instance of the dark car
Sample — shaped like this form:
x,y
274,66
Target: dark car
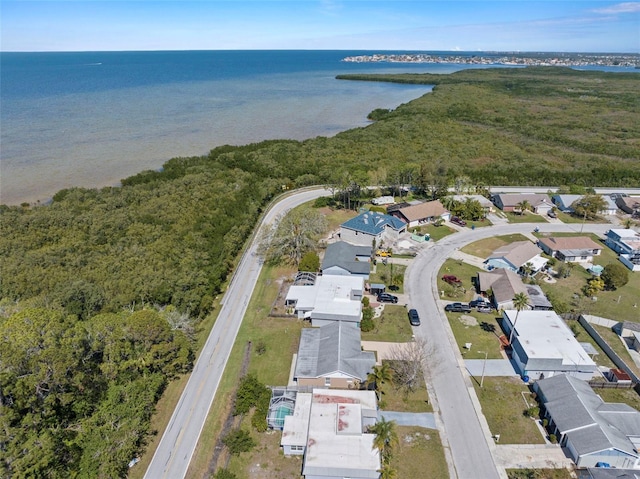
x,y
480,302
387,298
458,221
457,308
414,319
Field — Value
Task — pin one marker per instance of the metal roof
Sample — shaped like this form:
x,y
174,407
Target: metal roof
x,y
373,223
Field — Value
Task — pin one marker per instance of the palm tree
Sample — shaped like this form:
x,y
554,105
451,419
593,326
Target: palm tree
x,y
387,472
524,205
386,437
520,302
380,375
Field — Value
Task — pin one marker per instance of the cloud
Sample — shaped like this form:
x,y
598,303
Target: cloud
x,y
626,7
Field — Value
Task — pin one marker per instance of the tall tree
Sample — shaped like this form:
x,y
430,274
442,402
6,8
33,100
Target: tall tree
x,y
520,302
386,437
524,206
589,206
380,375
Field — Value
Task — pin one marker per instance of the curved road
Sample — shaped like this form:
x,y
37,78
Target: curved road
x,y
466,436
180,438
470,448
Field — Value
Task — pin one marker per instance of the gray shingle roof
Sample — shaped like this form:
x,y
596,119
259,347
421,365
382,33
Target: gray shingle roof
x,y
591,424
373,223
344,255
330,349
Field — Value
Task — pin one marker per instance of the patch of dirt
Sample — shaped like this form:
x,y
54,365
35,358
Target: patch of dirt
x,y
468,320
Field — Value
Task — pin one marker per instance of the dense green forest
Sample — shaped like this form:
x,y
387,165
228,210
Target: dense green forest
x,y
102,290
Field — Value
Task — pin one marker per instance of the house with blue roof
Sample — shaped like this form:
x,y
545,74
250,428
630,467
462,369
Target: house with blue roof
x,y
369,226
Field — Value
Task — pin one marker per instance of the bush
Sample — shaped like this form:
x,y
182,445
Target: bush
x,y
224,474
324,201
261,347
367,325
615,276
309,262
367,312
239,441
533,411
553,438
366,301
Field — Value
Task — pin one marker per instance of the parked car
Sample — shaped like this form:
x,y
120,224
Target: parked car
x,y
479,302
387,298
457,308
414,319
552,214
458,221
451,279
484,308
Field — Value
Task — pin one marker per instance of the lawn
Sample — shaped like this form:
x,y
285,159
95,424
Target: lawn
x,y
615,342
567,218
392,326
419,454
483,248
396,400
626,396
436,232
503,406
384,273
466,273
481,330
528,217
582,336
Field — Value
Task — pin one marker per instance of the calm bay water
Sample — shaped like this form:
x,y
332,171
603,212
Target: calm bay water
x,y
92,118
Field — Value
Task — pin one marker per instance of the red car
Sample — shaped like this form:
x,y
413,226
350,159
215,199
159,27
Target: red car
x,y
458,221
451,279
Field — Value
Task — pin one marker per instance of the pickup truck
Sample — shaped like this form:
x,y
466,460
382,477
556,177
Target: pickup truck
x,y
457,308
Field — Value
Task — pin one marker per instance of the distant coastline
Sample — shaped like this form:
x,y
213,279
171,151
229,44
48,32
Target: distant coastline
x,y
551,59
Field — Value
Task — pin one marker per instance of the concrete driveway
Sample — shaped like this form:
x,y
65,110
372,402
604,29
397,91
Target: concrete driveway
x,y
422,419
493,367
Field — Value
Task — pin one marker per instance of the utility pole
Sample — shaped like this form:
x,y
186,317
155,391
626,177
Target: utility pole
x,y
484,365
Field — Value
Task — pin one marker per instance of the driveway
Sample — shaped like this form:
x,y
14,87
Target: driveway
x,y
493,367
422,419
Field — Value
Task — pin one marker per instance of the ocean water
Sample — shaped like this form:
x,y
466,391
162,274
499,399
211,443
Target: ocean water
x,y
92,118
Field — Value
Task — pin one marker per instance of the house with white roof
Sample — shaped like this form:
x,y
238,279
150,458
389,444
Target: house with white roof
x,y
332,356
342,258
515,255
543,345
579,249
330,298
591,430
370,226
329,428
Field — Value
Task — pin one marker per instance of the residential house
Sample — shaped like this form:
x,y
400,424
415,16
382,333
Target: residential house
x,y
578,249
607,473
368,227
504,285
332,356
629,204
537,299
486,204
564,202
383,200
329,298
329,428
543,345
515,255
342,258
590,430
422,213
625,242
540,203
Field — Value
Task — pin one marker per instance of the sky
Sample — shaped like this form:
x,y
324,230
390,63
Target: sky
x,y
514,25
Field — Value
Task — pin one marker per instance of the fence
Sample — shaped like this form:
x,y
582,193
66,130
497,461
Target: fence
x,y
617,360
603,385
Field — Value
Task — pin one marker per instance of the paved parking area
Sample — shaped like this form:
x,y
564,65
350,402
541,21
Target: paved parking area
x,y
423,419
494,367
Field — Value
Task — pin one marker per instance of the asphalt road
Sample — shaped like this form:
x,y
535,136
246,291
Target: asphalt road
x,y
174,452
470,446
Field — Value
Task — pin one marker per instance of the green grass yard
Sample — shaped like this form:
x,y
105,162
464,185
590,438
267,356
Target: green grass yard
x,y
485,247
503,406
392,326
